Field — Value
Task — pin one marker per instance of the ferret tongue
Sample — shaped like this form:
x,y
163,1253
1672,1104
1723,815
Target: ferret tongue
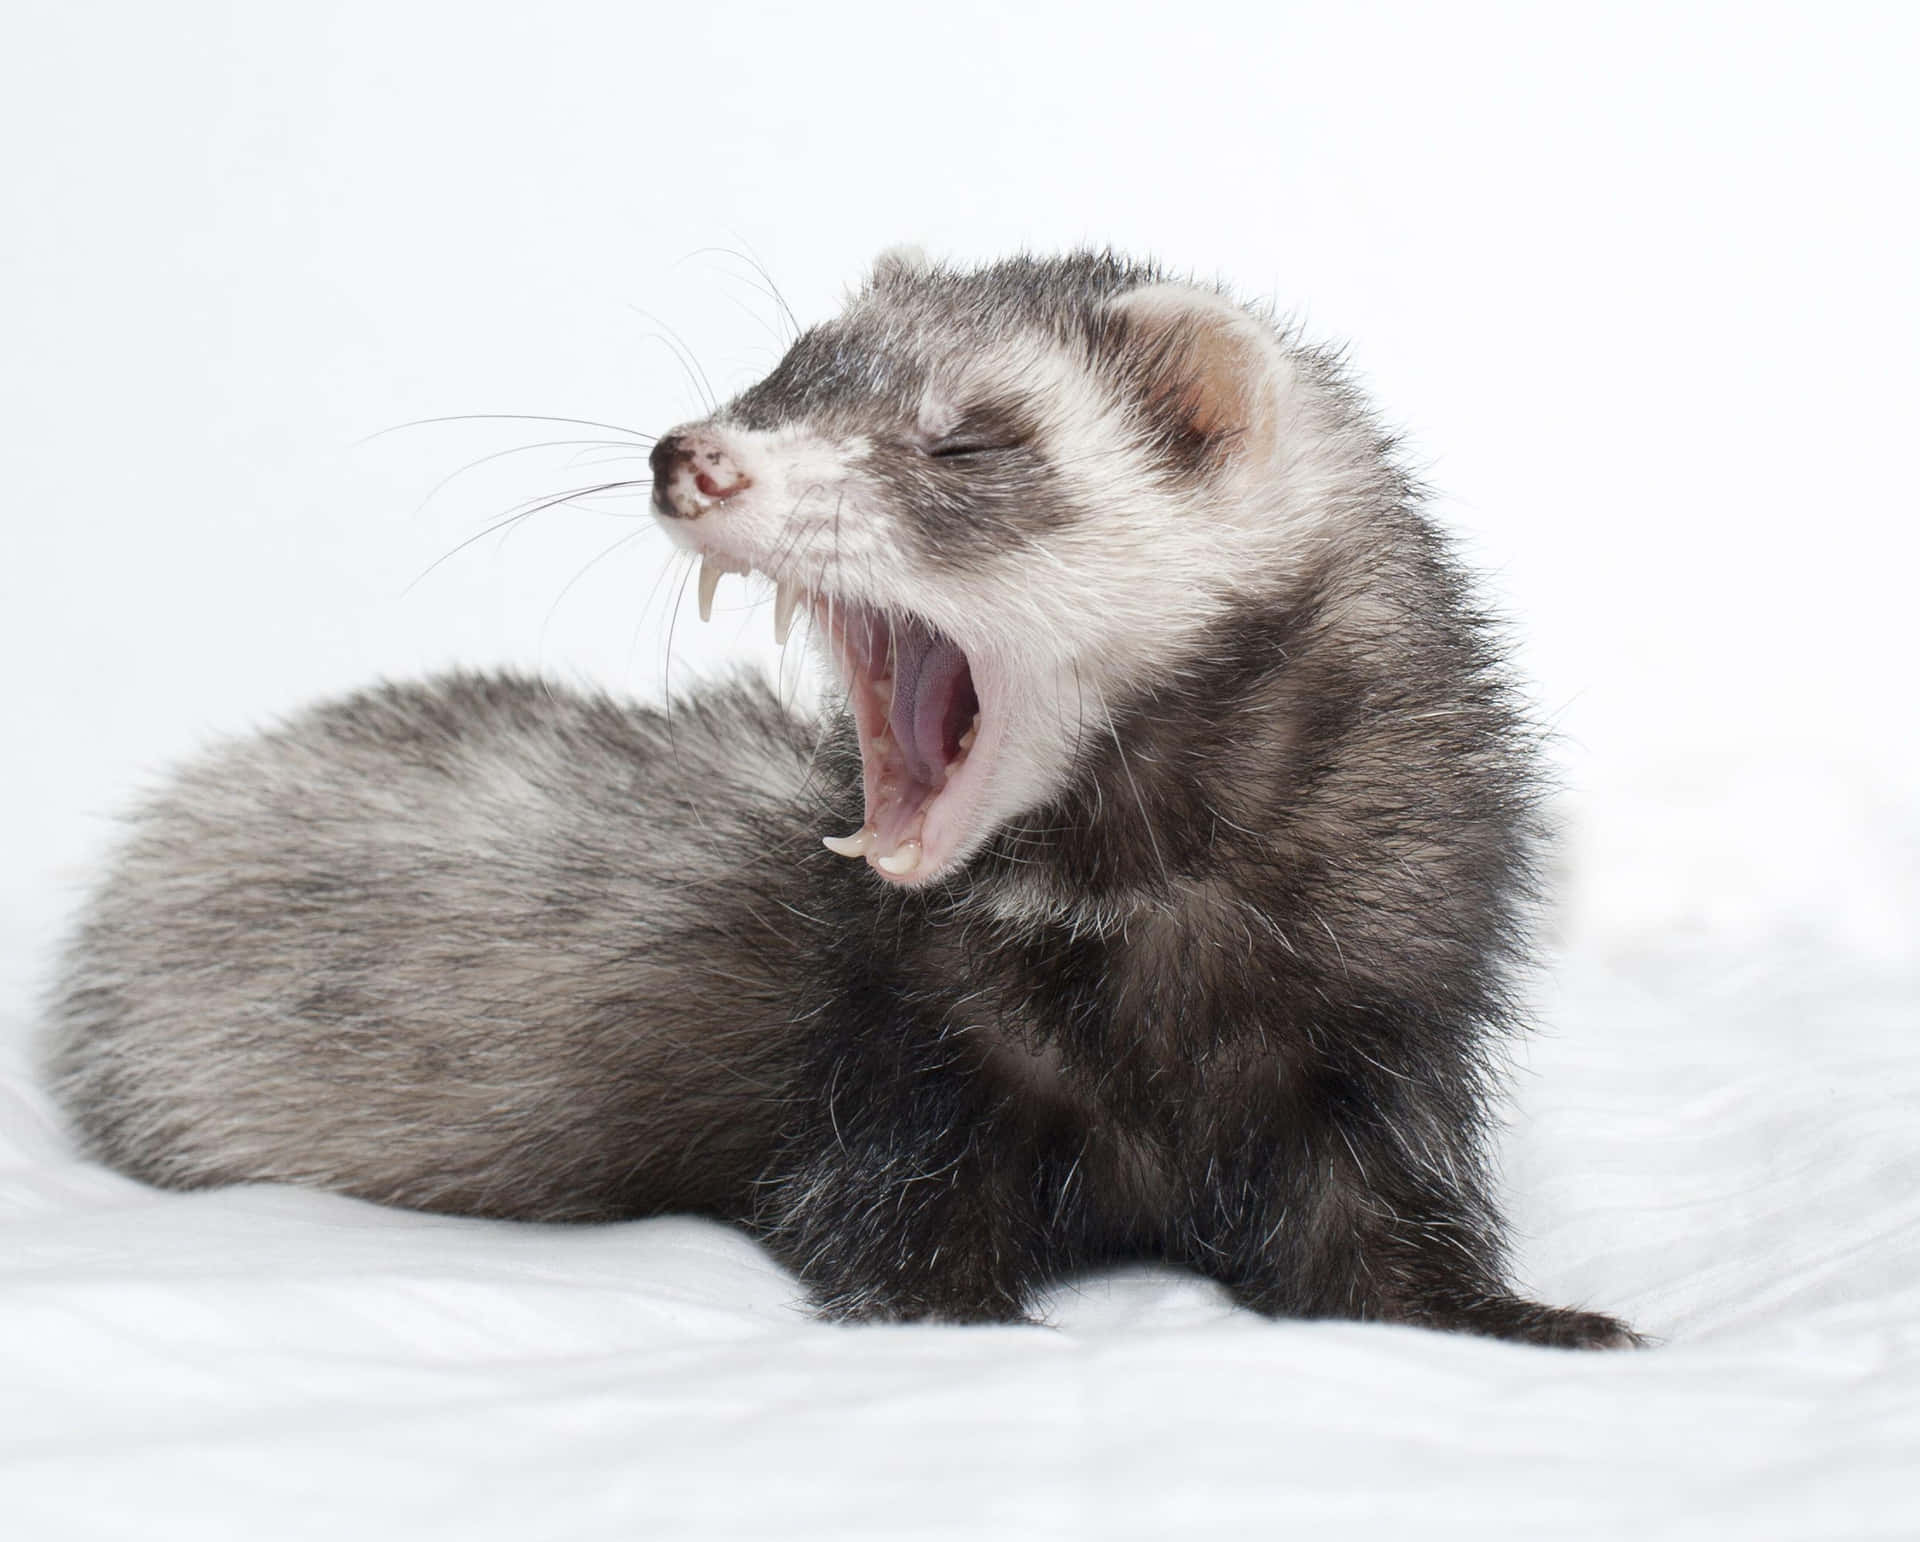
x,y
926,670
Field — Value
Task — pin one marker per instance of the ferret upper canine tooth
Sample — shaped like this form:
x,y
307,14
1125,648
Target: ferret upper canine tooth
x,y
857,844
903,860
785,597
710,572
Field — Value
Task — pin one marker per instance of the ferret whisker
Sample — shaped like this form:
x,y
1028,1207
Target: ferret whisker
x,y
581,572
518,449
689,362
503,417
766,286
517,515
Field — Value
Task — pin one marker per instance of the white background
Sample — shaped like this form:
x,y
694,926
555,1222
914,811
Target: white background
x,y
1639,283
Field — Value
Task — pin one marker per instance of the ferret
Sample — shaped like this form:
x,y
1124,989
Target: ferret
x,y
1156,891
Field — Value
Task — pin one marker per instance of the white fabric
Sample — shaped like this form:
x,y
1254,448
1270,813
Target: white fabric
x,y
1721,1147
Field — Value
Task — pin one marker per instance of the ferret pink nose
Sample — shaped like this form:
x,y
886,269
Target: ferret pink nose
x,y
691,474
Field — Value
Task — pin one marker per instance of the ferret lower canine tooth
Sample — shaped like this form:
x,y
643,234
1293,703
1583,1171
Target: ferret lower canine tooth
x,y
905,858
709,581
857,844
785,597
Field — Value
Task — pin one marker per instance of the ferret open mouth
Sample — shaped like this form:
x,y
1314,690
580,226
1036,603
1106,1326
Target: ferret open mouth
x,y
928,728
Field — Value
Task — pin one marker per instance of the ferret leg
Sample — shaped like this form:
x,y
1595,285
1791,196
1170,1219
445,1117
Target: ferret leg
x,y
898,1195
1340,1221
1431,1257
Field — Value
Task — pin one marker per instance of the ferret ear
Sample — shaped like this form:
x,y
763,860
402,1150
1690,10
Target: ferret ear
x,y
1215,373
908,260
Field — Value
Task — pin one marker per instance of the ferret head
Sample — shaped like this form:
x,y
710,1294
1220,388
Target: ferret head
x,y
1007,498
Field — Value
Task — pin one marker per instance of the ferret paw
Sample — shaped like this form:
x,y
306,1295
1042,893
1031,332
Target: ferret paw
x,y
1567,1328
1553,1327
859,1306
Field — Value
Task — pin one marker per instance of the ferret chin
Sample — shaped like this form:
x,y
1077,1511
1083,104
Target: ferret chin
x,y
1153,891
